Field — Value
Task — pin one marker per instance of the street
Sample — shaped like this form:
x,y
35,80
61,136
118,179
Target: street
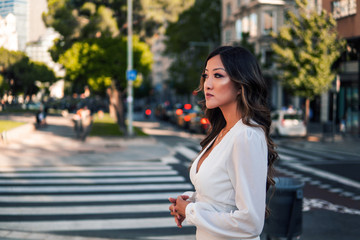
x,y
55,187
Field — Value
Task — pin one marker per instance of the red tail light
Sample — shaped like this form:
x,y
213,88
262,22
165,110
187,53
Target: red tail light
x,y
283,122
187,106
179,112
187,118
148,112
204,121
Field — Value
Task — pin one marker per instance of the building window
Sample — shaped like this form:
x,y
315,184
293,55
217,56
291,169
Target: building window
x,y
268,22
227,36
228,10
253,25
343,8
238,29
245,24
268,59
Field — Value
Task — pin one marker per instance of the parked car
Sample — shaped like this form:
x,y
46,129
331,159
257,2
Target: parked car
x,y
287,123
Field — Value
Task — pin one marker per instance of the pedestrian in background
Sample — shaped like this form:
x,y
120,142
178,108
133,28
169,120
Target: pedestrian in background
x,y
233,172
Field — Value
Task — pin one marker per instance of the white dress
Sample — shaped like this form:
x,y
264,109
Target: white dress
x,y
230,187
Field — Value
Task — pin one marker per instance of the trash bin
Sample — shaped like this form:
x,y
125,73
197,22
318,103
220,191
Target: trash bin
x,y
285,220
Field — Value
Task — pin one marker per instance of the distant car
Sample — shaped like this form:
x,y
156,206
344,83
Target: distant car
x,y
287,123
199,124
186,116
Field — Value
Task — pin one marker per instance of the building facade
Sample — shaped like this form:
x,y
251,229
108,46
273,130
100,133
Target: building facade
x,y
40,39
19,8
8,33
160,73
257,18
260,17
347,15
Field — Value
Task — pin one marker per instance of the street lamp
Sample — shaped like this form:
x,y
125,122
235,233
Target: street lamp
x,y
129,68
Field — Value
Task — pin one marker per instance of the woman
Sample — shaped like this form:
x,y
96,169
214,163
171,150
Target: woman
x,y
234,169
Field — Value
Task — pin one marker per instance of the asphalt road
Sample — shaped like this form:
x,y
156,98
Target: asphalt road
x,y
59,188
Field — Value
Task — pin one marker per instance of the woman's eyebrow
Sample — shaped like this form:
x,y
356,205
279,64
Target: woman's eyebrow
x,y
216,69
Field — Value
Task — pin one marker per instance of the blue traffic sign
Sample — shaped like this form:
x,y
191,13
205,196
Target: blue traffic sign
x,y
131,75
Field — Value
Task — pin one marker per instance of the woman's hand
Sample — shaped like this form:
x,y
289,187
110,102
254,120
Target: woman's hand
x,y
173,211
180,205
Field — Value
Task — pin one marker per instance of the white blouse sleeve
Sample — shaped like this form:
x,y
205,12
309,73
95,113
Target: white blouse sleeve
x,y
191,195
247,170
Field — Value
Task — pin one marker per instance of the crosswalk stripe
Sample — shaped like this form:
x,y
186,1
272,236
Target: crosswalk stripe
x,y
169,159
298,154
326,175
64,210
101,188
89,198
88,174
188,153
69,181
91,225
152,166
286,157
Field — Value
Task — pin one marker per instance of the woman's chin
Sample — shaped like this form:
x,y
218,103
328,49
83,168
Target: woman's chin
x,y
210,106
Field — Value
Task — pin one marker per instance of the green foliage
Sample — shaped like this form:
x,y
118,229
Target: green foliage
x,y
8,58
105,126
92,47
305,49
25,74
61,17
78,20
96,62
189,41
157,13
20,73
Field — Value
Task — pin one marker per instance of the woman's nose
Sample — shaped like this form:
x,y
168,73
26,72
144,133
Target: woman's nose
x,y
208,83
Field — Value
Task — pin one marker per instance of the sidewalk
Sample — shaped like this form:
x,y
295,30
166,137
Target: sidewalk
x,y
56,145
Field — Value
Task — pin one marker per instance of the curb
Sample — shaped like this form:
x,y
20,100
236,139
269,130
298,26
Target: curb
x,y
16,133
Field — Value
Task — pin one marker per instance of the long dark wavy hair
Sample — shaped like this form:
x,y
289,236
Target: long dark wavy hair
x,y
244,71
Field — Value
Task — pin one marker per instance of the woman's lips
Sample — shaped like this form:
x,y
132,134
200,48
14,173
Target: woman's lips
x,y
209,95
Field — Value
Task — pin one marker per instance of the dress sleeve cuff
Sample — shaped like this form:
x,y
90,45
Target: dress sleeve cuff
x,y
190,213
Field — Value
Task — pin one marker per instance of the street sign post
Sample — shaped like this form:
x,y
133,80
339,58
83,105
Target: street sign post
x,y
131,75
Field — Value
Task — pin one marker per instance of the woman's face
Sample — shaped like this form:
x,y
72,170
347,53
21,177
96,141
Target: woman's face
x,y
218,88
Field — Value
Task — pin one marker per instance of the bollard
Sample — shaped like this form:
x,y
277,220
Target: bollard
x,y
285,220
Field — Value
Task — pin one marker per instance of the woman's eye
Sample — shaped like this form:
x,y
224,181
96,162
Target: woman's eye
x,y
204,76
217,75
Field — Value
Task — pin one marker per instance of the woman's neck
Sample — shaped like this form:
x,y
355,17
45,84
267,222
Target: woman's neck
x,y
231,115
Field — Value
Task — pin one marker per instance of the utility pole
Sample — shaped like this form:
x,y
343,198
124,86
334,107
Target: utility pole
x,y
130,98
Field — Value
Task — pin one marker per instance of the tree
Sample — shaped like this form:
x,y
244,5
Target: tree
x,y
20,74
100,63
189,41
92,46
158,13
78,20
304,50
97,62
26,73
